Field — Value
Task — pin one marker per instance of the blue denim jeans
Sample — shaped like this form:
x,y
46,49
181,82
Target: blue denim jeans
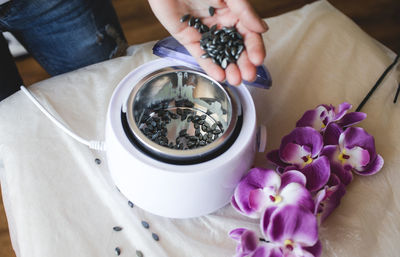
x,y
62,35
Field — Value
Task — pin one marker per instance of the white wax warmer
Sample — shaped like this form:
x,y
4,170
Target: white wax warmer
x,y
178,142
171,181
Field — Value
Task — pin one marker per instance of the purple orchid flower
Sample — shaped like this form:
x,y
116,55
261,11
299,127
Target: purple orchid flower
x,y
261,189
301,150
293,229
355,152
320,117
249,244
328,198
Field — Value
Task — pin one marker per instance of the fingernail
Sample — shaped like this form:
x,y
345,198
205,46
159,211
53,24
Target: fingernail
x,y
265,25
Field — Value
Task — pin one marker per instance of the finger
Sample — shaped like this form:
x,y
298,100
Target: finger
x,y
188,35
247,15
212,69
233,74
217,3
255,48
246,67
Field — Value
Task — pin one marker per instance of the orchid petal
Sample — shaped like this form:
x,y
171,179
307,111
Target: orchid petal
x,y
234,204
295,223
315,250
237,233
265,220
332,134
326,113
293,176
273,156
358,157
332,152
319,197
294,153
317,173
240,202
329,198
333,180
306,137
260,178
257,178
249,241
310,118
345,175
354,136
332,200
297,194
258,200
352,118
265,251
342,109
373,167
304,254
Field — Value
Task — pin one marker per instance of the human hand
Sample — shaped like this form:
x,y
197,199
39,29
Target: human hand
x,y
228,13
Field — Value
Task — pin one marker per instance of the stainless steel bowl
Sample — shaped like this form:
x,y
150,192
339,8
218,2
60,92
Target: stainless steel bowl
x,y
172,92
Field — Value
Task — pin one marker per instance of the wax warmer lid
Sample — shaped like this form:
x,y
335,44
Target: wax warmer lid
x,y
170,48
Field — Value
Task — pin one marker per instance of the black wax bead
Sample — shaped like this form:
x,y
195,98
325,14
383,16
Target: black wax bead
x,y
213,28
117,228
240,49
145,224
185,17
224,63
211,10
155,236
191,21
182,132
204,28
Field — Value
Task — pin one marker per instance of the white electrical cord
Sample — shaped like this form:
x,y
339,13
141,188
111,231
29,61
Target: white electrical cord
x,y
92,144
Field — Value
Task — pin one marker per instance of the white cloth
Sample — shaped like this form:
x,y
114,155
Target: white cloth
x,y
3,1
59,202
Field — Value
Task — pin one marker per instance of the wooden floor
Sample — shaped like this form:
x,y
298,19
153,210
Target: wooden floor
x,y
379,18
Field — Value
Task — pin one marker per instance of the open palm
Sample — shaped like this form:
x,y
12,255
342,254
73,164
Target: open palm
x,y
228,13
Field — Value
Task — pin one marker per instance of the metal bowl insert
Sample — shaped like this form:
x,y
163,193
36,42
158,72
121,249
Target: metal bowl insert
x,y
181,114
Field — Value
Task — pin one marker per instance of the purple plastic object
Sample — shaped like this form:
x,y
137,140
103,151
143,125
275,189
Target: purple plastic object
x,y
169,47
